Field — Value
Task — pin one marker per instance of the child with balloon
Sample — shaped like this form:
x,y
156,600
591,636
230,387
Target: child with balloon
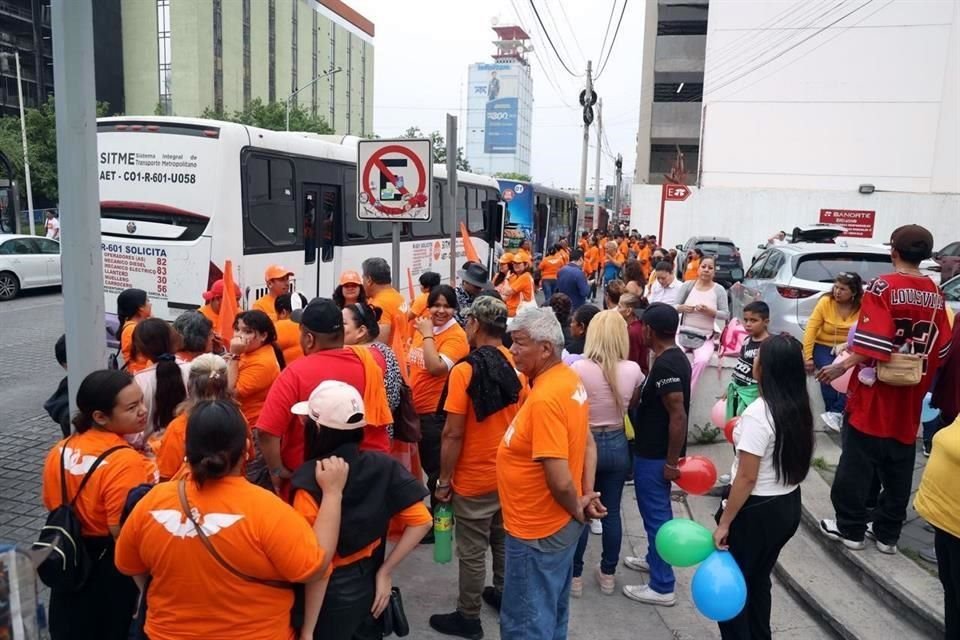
x,y
774,442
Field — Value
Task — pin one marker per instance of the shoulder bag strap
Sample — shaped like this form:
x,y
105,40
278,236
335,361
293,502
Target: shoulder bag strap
x,y
182,490
63,472
88,474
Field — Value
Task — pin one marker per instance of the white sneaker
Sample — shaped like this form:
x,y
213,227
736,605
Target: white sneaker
x,y
576,587
833,421
724,479
643,593
636,563
882,547
829,528
596,527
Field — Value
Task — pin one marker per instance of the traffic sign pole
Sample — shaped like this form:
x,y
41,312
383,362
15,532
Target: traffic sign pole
x,y
663,202
673,193
452,184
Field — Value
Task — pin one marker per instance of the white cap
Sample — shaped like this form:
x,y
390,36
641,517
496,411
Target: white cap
x,y
333,404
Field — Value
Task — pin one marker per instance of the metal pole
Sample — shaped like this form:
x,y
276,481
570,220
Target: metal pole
x,y
616,193
286,126
395,259
596,196
82,260
26,157
452,190
583,155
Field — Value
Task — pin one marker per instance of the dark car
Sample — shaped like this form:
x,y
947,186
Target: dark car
x,y
726,253
949,260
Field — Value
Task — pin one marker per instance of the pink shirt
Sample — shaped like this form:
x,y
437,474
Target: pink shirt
x,y
603,408
702,321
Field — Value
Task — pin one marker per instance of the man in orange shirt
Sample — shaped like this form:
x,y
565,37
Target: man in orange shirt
x,y
278,283
545,472
482,398
380,293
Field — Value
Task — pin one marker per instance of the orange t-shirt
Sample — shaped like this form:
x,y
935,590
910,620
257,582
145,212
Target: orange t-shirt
x,y
101,502
419,306
254,531
394,313
413,516
552,423
692,271
591,260
476,470
133,365
550,266
267,305
211,315
172,449
288,339
522,291
451,344
258,369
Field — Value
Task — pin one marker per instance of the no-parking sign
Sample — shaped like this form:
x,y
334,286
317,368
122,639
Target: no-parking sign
x,y
395,178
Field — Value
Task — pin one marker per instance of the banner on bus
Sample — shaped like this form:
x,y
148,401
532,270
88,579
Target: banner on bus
x,y
395,179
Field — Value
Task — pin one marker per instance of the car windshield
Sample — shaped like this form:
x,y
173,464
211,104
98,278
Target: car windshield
x,y
825,267
717,249
951,290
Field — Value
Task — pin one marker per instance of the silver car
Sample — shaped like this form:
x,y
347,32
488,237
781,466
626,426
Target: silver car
x,y
951,293
791,278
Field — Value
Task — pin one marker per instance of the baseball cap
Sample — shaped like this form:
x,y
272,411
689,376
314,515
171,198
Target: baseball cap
x,y
276,272
333,404
521,257
912,238
506,258
322,315
474,273
350,277
216,291
488,310
661,318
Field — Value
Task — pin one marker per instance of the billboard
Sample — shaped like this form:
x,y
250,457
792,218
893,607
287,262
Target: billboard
x,y
495,91
518,223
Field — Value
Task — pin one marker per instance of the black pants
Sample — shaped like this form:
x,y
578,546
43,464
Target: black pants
x,y
431,429
103,608
863,459
345,614
948,564
758,533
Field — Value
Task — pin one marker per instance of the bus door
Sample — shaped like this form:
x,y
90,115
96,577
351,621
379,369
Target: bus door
x,y
496,213
322,211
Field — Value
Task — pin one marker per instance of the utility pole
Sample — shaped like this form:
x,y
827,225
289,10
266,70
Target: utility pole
x,y
80,251
616,193
596,197
26,156
587,98
452,191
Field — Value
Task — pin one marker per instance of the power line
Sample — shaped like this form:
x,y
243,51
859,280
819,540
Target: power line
x,y
550,40
572,30
560,37
603,45
612,42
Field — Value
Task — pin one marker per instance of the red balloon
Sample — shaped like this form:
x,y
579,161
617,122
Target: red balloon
x,y
698,474
729,427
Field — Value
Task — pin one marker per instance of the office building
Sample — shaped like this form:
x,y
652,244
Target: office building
x,y
222,54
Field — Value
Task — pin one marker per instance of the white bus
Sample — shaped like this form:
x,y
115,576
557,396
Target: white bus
x,y
180,196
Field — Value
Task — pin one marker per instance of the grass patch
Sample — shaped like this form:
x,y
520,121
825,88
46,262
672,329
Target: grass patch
x,y
821,464
706,434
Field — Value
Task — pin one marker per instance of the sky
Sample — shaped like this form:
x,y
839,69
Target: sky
x,y
423,49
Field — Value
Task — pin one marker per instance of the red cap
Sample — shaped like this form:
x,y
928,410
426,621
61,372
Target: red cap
x,y
216,291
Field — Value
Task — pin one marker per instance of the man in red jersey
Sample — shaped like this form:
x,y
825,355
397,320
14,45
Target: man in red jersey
x,y
902,312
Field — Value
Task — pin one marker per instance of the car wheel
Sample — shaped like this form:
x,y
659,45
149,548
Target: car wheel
x,y
9,286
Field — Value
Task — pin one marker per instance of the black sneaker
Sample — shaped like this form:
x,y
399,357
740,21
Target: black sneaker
x,y
455,624
492,597
926,448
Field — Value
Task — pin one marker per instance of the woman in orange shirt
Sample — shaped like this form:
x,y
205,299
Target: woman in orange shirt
x,y
350,290
549,268
503,277
438,344
132,307
418,306
520,288
110,407
347,603
692,271
288,331
255,361
253,532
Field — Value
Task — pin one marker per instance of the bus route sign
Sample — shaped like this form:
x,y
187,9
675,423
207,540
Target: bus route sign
x,y
395,179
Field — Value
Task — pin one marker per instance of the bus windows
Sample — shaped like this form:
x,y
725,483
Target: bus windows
x,y
461,210
432,229
309,227
270,212
475,210
329,202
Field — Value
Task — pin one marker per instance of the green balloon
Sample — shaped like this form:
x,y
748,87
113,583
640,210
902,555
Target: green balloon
x,y
684,543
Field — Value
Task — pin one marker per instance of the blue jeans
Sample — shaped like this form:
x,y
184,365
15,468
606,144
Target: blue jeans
x,y
833,400
613,465
653,499
549,288
536,592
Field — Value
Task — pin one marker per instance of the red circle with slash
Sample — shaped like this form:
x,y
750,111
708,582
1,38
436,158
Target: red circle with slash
x,y
376,160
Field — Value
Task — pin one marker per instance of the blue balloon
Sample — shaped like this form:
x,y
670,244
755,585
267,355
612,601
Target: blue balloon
x,y
928,413
718,587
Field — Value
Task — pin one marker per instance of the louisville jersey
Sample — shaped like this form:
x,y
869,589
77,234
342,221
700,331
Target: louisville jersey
x,y
900,313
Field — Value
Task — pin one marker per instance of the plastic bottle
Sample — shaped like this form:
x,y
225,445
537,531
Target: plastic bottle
x,y
442,533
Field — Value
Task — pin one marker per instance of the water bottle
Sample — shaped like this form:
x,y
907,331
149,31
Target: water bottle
x,y
442,533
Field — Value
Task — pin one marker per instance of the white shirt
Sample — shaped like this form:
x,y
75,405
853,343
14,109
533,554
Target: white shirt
x,y
667,295
147,380
53,229
754,434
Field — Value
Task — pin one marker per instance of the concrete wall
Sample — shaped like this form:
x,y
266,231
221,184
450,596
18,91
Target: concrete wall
x,y
750,216
680,54
192,56
140,76
259,49
641,171
232,20
675,122
284,40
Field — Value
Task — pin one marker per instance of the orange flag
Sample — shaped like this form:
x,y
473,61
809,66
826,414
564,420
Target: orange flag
x,y
410,284
228,307
468,247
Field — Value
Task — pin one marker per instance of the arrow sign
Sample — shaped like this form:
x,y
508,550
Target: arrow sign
x,y
675,192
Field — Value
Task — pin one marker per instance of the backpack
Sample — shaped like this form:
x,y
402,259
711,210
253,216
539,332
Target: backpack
x,y
68,563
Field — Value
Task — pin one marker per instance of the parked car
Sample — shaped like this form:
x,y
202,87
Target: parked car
x,y
948,260
791,278
818,232
951,293
729,263
27,262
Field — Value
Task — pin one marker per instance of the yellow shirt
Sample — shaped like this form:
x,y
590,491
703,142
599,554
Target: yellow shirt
x,y
938,501
826,326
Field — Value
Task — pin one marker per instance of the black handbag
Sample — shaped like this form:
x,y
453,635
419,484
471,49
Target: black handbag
x,y
394,617
406,422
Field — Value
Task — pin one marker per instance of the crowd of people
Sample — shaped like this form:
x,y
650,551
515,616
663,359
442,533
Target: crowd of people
x,y
269,485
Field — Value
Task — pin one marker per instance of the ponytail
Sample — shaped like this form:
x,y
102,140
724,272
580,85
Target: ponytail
x,y
156,340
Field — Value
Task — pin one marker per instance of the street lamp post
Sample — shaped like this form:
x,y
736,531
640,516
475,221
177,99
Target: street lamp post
x,y
325,74
23,135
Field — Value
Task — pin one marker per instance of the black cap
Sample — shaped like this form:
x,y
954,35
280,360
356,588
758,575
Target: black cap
x,y
662,319
913,239
322,315
474,273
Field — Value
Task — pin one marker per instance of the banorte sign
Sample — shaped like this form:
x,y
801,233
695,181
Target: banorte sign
x,y
857,222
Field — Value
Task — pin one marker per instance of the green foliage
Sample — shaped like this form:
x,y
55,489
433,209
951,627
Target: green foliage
x,y
41,125
706,434
439,147
513,175
272,115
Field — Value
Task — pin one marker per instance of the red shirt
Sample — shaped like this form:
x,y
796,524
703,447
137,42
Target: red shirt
x,y
897,309
294,385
